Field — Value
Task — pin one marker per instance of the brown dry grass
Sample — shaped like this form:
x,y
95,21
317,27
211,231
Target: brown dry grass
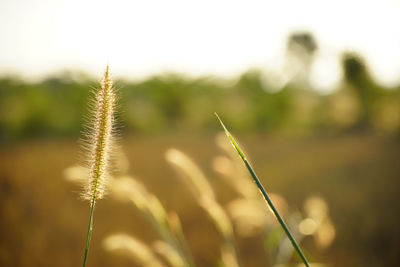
x,y
357,175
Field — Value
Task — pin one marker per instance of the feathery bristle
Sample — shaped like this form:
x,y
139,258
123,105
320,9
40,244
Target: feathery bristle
x,y
99,140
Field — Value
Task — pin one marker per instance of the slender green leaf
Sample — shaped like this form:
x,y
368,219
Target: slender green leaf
x,y
264,193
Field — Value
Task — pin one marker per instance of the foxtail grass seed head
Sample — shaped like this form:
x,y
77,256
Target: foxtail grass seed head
x,y
218,216
228,256
98,141
169,253
129,188
234,176
190,172
132,247
249,216
76,174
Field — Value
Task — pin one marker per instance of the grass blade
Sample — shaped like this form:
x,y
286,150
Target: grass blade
x,y
264,193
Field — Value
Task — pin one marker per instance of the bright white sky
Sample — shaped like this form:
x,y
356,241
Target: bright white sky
x,y
145,37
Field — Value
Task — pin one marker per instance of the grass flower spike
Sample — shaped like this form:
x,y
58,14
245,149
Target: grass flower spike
x,y
100,138
264,193
98,144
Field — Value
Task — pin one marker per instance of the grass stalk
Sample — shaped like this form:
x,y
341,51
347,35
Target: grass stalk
x,y
89,233
264,193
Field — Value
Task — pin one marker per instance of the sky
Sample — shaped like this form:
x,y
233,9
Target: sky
x,y
225,38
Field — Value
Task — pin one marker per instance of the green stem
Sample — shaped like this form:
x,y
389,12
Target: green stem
x,y
276,213
89,232
264,193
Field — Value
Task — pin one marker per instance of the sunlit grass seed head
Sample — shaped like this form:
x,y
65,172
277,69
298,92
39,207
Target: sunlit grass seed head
x,y
133,248
131,189
201,188
189,170
234,176
204,193
99,138
76,174
249,216
169,253
229,257
224,226
218,216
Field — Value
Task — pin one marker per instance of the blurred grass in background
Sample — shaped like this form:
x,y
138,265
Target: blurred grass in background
x,y
343,147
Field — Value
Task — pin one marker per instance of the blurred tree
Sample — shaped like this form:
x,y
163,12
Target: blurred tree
x,y
357,76
300,52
